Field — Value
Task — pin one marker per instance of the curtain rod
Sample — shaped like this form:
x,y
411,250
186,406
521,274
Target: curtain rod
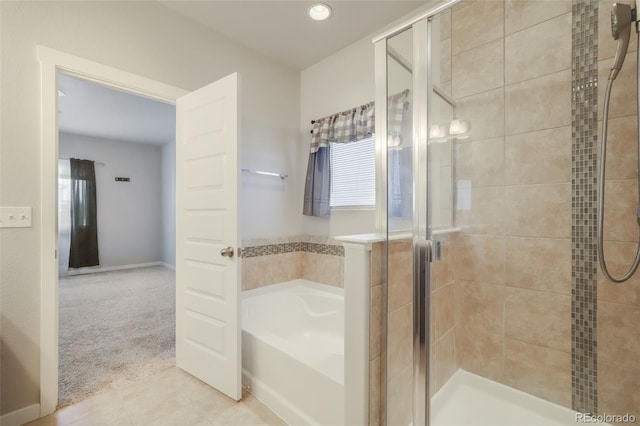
x,y
99,163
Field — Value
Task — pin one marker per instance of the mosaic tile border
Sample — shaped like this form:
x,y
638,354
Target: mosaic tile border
x,y
584,139
269,249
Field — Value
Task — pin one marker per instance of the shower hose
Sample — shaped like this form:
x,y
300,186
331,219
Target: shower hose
x,y
601,176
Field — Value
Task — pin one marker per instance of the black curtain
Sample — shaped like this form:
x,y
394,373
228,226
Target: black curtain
x,y
84,218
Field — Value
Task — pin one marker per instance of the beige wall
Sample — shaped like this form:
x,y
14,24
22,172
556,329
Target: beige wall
x,y
150,40
619,304
511,78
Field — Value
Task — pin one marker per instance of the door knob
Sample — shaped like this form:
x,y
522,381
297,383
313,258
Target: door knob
x,y
227,252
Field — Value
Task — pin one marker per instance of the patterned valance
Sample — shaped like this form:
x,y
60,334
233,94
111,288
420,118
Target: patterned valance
x,y
357,123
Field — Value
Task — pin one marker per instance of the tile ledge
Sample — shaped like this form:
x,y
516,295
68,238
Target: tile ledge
x,y
363,239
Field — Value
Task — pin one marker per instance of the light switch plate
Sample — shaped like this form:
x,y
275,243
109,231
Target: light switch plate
x,y
15,217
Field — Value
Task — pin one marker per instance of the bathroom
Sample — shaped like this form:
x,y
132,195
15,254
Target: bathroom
x,y
482,239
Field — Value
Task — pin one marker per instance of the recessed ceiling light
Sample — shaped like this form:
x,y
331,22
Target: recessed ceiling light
x,y
319,12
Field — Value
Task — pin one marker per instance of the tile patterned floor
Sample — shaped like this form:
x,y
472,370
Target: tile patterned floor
x,y
168,398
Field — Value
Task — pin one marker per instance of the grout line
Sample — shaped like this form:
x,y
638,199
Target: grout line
x,y
536,344
540,22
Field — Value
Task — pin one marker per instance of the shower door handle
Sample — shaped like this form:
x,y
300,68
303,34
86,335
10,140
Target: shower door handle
x,y
227,252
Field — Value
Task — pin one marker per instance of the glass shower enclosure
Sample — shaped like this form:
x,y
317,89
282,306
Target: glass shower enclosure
x,y
495,310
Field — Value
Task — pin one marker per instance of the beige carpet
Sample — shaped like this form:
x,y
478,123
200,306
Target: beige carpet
x,y
115,327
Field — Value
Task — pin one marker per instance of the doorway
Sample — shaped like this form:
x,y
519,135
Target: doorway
x,y
116,237
215,104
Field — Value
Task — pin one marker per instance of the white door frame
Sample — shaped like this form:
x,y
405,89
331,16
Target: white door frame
x,y
52,63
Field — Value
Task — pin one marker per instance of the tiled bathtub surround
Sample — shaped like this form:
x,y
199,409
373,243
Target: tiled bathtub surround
x,y
266,262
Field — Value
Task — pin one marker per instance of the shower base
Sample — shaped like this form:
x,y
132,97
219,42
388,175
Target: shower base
x,y
470,400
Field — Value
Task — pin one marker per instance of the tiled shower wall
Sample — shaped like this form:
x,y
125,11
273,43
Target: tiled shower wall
x,y
273,261
510,74
619,304
511,78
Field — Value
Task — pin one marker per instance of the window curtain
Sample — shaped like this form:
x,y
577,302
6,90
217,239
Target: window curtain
x,y
84,221
349,126
317,187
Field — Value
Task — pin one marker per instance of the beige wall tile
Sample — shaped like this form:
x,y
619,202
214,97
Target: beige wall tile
x,y
480,161
541,103
619,257
539,50
481,353
538,210
375,322
446,87
622,147
400,267
539,318
620,205
399,397
322,268
520,14
442,269
375,385
539,371
623,95
486,215
445,359
256,272
479,308
484,112
619,335
444,20
286,267
477,23
480,258
479,69
538,157
444,310
618,390
606,44
539,264
378,260
399,340
445,61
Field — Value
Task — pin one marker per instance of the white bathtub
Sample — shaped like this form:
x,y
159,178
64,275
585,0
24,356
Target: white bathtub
x,y
293,350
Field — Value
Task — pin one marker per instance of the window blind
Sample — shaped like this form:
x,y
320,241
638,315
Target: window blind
x,y
353,173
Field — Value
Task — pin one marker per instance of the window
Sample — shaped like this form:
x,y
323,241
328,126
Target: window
x,y
353,173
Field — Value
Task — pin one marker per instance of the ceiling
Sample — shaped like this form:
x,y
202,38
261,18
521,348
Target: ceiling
x,y
283,31
94,110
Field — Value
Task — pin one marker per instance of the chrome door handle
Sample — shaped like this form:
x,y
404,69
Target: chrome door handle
x,y
227,252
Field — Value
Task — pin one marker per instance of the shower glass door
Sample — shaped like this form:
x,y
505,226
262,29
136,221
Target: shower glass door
x,y
399,165
423,128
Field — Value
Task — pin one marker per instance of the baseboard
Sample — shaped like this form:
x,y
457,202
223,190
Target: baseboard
x,y
21,416
96,269
274,401
168,265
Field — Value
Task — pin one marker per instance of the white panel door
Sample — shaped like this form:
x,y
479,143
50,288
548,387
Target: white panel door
x,y
208,283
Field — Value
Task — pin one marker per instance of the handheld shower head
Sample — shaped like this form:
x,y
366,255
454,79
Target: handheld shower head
x,y
621,18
